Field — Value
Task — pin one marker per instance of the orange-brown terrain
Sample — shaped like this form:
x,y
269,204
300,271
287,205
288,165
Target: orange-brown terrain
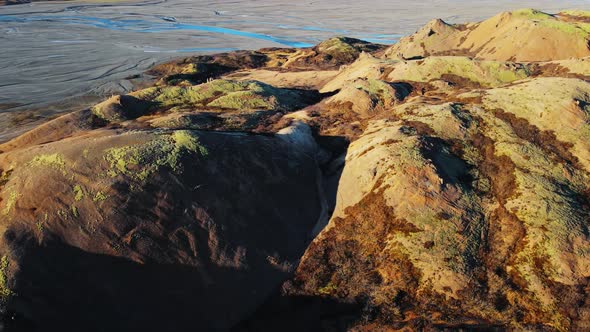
x,y
437,184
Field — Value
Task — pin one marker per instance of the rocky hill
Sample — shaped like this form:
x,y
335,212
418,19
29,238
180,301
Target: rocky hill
x,y
440,183
522,35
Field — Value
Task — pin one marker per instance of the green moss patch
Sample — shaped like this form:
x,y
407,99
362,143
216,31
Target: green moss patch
x,y
531,14
224,94
140,161
483,73
550,21
55,161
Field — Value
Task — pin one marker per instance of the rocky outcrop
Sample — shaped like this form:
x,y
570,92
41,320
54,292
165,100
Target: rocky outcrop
x,y
463,204
522,35
328,55
463,212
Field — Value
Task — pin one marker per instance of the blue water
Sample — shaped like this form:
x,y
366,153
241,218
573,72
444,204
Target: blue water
x,y
146,26
192,50
167,24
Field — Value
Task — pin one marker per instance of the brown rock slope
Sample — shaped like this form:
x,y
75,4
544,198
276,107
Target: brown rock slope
x,y
464,212
462,204
441,192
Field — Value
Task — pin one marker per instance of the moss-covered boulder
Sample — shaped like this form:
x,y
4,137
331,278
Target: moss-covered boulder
x,y
226,95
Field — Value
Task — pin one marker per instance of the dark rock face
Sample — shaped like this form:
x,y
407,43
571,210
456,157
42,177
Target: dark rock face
x,y
201,243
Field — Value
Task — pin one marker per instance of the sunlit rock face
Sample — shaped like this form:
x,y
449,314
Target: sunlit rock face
x,y
522,35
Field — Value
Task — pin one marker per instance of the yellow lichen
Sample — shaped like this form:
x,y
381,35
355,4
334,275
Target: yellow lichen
x,y
329,289
39,225
54,160
5,177
78,193
10,202
99,197
4,289
63,214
